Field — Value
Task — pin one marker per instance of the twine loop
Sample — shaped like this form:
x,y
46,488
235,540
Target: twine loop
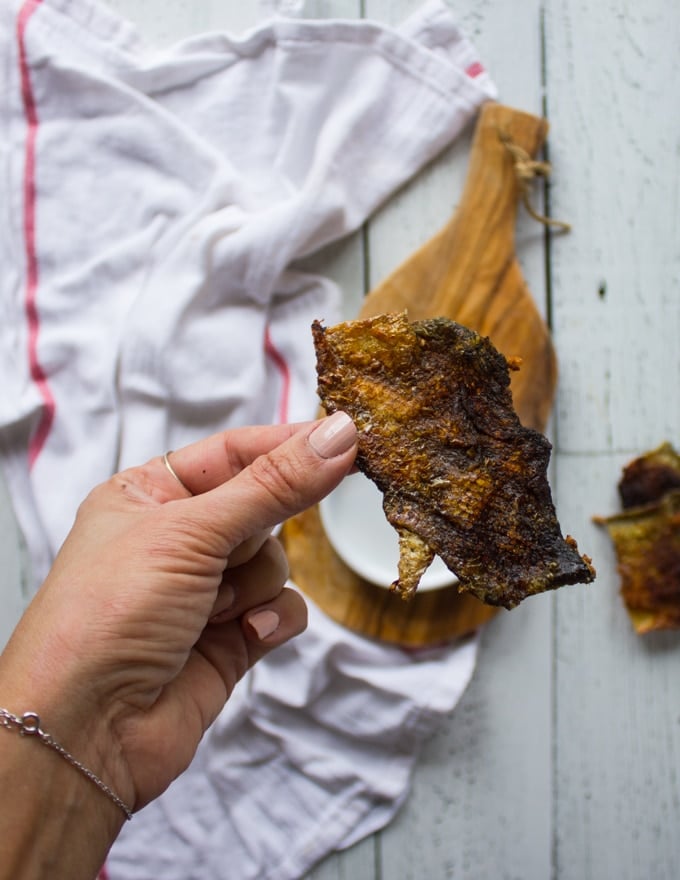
x,y
526,171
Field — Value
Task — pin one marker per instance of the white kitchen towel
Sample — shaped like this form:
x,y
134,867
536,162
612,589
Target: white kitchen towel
x,y
154,205
313,755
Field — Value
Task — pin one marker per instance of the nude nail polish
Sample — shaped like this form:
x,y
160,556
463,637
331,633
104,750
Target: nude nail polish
x,y
264,622
335,435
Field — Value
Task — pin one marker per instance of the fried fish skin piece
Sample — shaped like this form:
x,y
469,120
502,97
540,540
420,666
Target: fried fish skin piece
x,y
438,434
646,539
648,477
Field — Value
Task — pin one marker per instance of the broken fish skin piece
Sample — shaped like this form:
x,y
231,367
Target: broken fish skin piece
x,y
646,540
648,477
460,476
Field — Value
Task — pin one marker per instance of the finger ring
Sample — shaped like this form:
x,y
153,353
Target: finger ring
x,y
166,462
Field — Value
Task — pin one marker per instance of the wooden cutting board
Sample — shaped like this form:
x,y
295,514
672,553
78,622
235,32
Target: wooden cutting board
x,y
468,272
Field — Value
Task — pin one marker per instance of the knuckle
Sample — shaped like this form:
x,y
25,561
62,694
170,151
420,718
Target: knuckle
x,y
179,538
280,477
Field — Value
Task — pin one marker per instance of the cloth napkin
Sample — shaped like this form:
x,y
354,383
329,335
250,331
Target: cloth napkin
x,y
154,206
313,754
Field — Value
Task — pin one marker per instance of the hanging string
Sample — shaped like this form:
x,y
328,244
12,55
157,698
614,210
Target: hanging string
x,y
526,171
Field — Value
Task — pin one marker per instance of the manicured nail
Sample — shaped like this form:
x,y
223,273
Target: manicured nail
x,y
264,623
334,435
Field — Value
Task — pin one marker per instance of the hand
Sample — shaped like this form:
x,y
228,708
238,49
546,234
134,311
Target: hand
x,y
160,600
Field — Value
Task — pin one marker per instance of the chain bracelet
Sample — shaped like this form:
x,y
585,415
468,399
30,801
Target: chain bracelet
x,y
28,724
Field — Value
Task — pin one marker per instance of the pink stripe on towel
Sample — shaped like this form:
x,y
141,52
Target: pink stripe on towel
x,y
284,372
33,320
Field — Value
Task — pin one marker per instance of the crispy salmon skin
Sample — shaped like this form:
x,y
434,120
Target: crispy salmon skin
x,y
461,477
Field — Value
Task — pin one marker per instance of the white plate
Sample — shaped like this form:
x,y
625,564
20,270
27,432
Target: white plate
x,y
356,526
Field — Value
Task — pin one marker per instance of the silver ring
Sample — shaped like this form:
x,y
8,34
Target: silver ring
x,y
166,462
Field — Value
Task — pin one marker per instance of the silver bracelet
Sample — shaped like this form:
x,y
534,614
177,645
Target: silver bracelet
x,y
29,725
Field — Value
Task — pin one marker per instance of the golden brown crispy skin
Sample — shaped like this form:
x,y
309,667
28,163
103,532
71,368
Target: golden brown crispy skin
x,y
646,538
647,543
460,476
649,477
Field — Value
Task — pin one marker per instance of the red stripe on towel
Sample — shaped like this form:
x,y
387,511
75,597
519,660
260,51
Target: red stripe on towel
x,y
284,372
475,69
33,321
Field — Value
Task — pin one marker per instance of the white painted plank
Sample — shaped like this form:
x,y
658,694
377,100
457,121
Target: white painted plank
x,y
480,805
612,81
617,713
613,84
357,863
497,28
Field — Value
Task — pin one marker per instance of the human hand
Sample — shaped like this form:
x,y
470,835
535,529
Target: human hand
x,y
160,600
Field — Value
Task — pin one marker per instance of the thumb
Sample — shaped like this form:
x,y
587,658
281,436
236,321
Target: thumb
x,y
281,482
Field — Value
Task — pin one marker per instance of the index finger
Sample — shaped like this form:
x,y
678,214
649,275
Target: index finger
x,y
210,462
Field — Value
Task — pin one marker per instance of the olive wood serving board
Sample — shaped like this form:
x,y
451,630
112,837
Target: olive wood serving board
x,y
469,272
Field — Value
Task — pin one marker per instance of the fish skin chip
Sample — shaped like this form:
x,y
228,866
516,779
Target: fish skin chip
x,y
460,475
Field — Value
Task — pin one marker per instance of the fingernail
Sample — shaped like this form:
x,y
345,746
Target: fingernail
x,y
264,623
227,596
334,435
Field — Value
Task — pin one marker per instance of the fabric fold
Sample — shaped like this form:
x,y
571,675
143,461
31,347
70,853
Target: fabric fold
x,y
313,755
156,205
170,194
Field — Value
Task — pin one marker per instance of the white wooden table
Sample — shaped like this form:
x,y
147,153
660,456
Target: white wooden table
x,y
563,758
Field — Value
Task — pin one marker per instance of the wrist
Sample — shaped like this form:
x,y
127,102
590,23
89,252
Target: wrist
x,y
75,732
46,673
28,725
59,825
